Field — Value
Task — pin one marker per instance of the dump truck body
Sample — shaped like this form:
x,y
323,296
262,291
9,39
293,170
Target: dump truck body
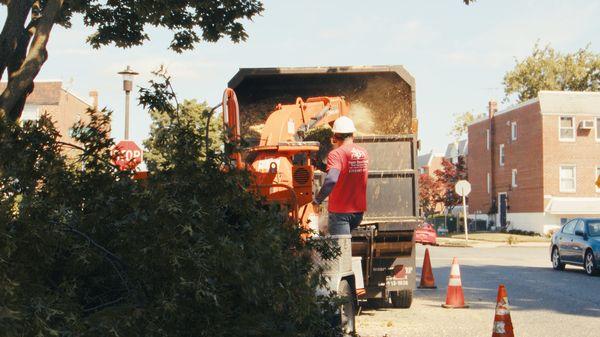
x,y
382,104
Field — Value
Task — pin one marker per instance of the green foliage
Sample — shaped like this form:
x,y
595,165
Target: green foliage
x,y
461,124
124,23
28,26
519,232
323,136
85,250
548,69
191,113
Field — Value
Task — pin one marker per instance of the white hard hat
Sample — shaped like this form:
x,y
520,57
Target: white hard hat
x,y
343,125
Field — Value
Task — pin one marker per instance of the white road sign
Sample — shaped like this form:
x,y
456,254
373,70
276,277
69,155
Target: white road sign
x,y
463,188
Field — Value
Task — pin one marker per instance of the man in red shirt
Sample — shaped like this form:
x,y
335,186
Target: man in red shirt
x,y
346,180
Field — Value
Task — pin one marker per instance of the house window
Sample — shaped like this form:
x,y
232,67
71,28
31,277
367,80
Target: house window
x,y
487,139
567,129
501,154
568,175
598,129
30,113
489,183
513,130
514,178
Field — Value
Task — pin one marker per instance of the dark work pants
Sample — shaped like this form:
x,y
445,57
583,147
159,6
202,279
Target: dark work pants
x,y
343,223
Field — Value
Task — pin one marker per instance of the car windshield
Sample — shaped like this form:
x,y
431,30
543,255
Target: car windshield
x,y
594,228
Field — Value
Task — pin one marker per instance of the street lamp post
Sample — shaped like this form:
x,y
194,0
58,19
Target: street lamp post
x,y
128,75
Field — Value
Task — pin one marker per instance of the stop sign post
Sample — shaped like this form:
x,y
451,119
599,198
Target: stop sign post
x,y
463,188
127,155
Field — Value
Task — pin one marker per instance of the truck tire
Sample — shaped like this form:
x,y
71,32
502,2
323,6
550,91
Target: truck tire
x,y
402,299
347,310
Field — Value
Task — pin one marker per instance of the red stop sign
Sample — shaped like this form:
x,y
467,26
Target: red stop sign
x,y
127,155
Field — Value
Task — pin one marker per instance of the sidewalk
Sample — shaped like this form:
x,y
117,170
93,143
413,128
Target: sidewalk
x,y
459,242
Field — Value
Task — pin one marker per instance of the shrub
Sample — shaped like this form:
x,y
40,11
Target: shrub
x,y
85,250
523,232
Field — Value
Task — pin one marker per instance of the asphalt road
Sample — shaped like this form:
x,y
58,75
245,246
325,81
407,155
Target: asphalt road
x,y
543,302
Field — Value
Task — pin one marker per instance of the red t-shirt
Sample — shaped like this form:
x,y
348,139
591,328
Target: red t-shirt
x,y
349,195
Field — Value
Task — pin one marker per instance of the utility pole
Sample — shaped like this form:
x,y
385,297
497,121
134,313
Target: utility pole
x,y
128,75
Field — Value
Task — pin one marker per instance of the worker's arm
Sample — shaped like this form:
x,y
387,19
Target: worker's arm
x,y
330,181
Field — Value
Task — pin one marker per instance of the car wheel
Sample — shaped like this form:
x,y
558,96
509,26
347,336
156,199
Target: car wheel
x,y
590,264
556,262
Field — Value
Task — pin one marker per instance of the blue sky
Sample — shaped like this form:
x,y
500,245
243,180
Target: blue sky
x,y
458,54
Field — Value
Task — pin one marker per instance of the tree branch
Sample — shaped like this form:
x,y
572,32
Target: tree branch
x,y
206,136
21,80
112,258
103,305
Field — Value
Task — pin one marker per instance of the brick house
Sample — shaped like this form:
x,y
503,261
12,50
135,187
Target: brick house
x,y
429,163
62,105
456,150
533,165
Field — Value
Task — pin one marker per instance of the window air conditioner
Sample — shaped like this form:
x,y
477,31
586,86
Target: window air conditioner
x,y
586,125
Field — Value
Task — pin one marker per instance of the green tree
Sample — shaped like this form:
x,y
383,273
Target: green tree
x,y
548,69
28,25
461,124
187,252
190,113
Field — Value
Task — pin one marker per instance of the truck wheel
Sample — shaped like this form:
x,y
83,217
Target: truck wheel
x,y
347,310
402,299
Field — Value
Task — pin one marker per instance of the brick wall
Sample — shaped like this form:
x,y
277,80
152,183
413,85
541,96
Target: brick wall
x,y
70,110
478,158
523,154
584,153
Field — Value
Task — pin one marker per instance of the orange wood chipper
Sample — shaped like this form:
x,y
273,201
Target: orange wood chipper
x,y
281,163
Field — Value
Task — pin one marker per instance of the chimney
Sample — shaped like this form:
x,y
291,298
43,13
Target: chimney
x,y
492,108
94,96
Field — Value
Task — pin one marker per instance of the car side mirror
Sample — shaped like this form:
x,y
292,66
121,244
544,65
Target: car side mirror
x,y
580,233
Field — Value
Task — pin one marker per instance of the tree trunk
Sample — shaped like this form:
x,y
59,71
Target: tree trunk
x,y
17,13
25,64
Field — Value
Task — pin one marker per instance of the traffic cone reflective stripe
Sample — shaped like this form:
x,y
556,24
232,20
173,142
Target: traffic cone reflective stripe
x,y
427,279
454,281
502,321
455,297
499,328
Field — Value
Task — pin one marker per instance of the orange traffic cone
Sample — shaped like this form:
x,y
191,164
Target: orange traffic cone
x,y
427,279
502,322
455,297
